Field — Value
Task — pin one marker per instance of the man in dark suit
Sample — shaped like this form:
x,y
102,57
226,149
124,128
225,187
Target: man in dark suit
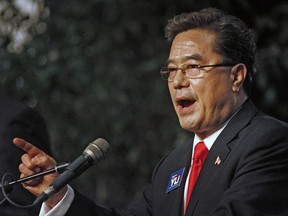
x,y
245,173
18,120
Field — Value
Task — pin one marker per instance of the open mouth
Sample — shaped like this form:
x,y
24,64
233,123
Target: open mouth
x,y
185,103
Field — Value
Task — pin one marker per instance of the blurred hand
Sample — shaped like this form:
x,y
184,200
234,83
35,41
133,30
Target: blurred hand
x,y
34,161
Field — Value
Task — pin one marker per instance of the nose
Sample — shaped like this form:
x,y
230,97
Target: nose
x,y
180,80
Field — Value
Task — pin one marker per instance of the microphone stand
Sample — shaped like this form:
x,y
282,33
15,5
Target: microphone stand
x,y
6,187
60,167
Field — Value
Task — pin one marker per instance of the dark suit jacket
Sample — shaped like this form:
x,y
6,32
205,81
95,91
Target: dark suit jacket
x,y
18,120
249,179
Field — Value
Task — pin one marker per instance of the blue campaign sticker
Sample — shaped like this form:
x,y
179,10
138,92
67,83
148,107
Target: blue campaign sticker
x,y
175,180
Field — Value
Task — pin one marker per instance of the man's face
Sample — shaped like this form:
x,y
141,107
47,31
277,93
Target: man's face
x,y
202,104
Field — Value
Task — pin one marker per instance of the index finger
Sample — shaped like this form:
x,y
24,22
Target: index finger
x,y
27,147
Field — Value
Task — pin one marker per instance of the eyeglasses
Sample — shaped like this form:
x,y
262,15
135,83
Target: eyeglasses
x,y
192,71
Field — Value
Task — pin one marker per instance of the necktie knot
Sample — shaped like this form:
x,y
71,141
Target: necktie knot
x,y
200,152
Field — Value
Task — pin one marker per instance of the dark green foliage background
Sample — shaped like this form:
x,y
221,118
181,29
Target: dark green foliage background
x,y
95,73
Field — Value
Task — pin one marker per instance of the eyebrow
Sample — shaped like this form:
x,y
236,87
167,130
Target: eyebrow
x,y
187,57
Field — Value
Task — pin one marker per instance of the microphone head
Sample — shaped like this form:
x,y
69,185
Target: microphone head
x,y
97,150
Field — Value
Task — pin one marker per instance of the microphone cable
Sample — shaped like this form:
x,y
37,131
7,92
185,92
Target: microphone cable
x,y
6,185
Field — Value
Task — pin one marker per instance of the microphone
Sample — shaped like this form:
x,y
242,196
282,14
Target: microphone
x,y
95,151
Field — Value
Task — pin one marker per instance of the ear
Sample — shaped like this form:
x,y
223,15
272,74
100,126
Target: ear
x,y
237,76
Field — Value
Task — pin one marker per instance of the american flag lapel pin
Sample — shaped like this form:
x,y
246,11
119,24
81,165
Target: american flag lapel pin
x,y
217,161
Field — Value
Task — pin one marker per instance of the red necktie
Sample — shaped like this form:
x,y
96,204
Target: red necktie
x,y
200,153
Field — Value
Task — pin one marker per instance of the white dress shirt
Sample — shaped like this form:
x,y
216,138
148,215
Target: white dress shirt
x,y
208,142
61,208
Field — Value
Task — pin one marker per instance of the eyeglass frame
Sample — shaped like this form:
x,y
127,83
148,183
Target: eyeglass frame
x,y
165,70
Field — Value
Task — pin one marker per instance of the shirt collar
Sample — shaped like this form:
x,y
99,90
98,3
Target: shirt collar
x,y
211,139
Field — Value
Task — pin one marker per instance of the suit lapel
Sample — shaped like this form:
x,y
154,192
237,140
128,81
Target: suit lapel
x,y
174,199
219,152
